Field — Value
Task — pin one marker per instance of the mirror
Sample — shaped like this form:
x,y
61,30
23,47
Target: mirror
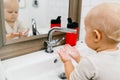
x,y
33,17
17,47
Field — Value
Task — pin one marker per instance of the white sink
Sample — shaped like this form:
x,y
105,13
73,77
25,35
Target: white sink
x,y
35,66
38,65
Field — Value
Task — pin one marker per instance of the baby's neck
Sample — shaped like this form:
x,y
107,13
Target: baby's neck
x,y
107,48
11,24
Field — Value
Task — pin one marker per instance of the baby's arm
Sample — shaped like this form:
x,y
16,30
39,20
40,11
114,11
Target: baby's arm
x,y
23,29
65,54
12,35
67,62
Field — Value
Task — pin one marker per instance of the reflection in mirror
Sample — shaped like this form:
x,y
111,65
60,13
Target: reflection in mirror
x,y
33,17
13,48
13,26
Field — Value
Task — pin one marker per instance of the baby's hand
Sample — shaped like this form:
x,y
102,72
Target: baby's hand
x,y
26,32
12,35
73,52
23,34
64,55
67,52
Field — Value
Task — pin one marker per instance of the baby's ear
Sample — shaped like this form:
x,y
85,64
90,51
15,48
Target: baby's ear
x,y
97,35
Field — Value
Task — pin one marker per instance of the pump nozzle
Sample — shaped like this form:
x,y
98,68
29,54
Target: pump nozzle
x,y
69,20
58,18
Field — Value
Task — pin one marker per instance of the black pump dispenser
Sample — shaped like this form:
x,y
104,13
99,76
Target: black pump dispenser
x,y
71,38
56,22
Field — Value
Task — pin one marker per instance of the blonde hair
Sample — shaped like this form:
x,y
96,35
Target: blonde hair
x,y
106,17
10,2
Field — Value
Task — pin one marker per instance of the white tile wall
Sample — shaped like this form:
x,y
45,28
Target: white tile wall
x,y
47,10
86,6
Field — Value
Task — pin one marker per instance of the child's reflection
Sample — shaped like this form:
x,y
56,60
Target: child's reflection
x,y
14,28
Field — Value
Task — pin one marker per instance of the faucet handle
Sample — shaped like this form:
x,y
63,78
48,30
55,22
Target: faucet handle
x,y
59,40
48,47
53,42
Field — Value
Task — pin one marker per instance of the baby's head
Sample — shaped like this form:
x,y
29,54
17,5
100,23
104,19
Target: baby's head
x,y
102,25
11,10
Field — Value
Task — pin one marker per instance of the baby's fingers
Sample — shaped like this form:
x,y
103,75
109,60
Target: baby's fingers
x,y
26,32
63,55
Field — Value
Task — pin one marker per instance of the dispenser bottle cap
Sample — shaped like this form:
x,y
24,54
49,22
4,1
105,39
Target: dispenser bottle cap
x,y
71,24
56,21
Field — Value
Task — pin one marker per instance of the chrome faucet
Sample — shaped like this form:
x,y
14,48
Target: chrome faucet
x,y
50,43
34,27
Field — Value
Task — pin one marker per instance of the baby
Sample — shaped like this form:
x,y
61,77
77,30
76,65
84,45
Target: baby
x,y
102,25
14,28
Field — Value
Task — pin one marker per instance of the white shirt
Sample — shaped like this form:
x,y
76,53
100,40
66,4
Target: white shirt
x,y
16,28
101,66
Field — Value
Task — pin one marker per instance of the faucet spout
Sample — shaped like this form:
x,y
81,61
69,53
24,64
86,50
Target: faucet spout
x,y
60,30
51,42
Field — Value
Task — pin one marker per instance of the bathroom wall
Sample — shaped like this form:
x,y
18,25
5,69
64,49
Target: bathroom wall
x,y
46,10
86,6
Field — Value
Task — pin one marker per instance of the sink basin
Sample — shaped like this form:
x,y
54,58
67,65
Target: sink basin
x,y
35,66
39,65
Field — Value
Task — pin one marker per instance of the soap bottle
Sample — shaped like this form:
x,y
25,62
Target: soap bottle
x,y
56,22
71,38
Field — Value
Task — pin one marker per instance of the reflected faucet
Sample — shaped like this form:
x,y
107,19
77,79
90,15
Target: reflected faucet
x,y
50,43
34,28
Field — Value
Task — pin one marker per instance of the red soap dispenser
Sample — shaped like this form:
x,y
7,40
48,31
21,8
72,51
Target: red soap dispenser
x,y
56,22
71,38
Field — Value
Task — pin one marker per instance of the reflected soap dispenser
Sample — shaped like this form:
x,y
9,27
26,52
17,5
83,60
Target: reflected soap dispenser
x,y
55,22
35,3
71,38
